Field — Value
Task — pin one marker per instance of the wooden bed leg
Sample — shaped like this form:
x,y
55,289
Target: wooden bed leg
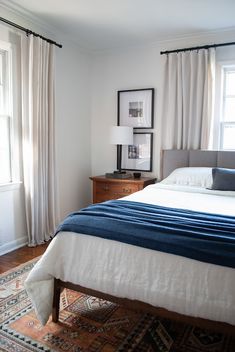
x,y
56,301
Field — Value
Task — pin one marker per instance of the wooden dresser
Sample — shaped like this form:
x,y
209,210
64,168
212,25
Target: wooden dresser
x,y
112,188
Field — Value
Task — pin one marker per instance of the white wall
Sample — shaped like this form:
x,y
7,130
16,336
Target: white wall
x,y
73,150
73,128
129,69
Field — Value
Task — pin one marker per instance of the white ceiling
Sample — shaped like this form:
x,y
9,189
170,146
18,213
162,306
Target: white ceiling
x,y
106,24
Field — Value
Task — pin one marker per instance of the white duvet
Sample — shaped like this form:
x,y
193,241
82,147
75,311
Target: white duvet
x,y
169,281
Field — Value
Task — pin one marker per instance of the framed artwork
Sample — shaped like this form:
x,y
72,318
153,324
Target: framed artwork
x,y
136,108
139,155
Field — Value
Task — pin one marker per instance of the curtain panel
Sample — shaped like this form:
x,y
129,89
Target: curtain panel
x,y
38,138
188,99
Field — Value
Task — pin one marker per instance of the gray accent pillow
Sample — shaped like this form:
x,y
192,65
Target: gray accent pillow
x,y
223,179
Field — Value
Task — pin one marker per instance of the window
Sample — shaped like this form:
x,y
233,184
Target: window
x,y
224,124
6,170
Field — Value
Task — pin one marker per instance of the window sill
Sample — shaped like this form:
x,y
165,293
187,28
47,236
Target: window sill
x,y
4,187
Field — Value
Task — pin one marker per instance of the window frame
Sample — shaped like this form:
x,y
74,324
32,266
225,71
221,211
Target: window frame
x,y
219,105
11,114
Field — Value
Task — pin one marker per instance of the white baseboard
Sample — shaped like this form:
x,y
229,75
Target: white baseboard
x,y
11,246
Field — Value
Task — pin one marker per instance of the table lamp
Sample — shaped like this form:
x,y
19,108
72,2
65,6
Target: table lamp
x,y
120,135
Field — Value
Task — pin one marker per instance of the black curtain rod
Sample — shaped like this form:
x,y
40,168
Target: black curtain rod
x,y
196,48
28,31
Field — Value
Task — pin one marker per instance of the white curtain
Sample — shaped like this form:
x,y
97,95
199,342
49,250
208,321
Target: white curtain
x,y
38,138
188,99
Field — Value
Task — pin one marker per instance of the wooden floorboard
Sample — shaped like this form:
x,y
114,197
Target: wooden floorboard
x,y
19,256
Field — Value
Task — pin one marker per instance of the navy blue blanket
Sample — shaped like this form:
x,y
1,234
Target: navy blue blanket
x,y
201,236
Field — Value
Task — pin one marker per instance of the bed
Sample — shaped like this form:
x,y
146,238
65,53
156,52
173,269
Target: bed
x,y
142,277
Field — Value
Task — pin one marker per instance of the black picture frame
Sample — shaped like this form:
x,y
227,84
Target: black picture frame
x,y
139,155
135,108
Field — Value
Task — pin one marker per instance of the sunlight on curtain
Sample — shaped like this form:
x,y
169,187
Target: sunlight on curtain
x,y
38,135
188,99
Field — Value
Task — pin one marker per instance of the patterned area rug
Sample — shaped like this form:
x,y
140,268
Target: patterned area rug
x,y
88,324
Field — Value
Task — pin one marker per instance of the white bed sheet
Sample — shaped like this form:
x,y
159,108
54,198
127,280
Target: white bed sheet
x,y
173,282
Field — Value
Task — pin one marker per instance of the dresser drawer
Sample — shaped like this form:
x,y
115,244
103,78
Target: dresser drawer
x,y
115,190
105,188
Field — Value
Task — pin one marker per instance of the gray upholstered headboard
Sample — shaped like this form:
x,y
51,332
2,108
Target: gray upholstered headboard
x,y
172,159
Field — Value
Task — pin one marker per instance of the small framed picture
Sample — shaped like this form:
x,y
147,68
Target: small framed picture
x,y
135,108
138,156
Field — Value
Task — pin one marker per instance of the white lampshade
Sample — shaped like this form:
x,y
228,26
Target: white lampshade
x,y
121,135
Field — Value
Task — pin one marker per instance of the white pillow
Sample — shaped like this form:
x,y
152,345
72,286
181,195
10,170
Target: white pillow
x,y
190,176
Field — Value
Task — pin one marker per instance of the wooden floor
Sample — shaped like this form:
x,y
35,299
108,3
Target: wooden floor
x,y
20,256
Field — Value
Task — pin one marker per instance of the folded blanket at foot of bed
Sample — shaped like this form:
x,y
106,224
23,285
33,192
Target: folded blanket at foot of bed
x,y
201,236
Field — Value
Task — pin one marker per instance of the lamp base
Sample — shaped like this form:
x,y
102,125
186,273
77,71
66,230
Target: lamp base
x,y
117,174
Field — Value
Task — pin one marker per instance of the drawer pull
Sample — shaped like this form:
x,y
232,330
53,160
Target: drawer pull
x,y
126,190
105,188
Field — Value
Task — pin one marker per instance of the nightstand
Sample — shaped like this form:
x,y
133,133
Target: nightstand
x,y
111,188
